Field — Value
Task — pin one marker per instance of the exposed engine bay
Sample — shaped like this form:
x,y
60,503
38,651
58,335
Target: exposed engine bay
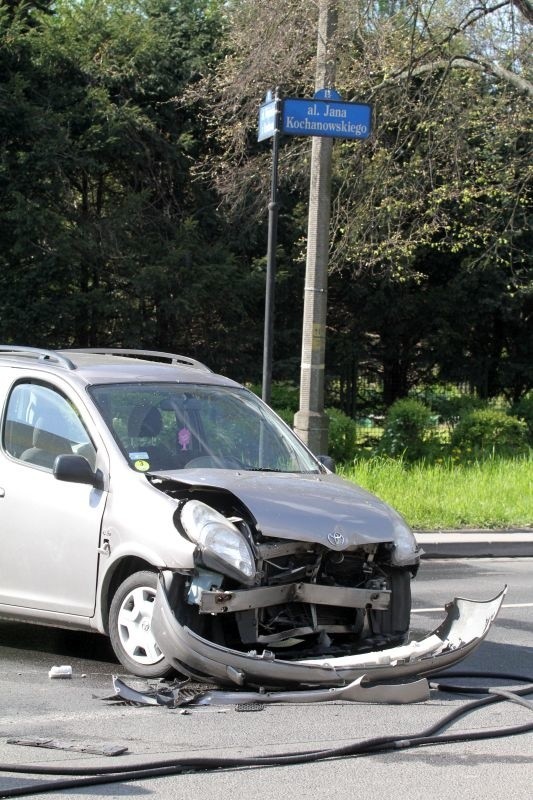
x,y
301,598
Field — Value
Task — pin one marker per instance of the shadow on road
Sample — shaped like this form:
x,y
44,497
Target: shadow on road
x,y
70,644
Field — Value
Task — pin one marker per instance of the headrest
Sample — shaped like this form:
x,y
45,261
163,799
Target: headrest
x,y
144,422
44,440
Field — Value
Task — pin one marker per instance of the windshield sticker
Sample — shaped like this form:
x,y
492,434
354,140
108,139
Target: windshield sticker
x,y
184,439
142,456
141,465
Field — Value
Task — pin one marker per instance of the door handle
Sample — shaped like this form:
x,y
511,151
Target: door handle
x,y
2,491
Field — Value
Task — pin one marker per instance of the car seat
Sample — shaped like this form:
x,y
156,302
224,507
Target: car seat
x,y
145,422
46,446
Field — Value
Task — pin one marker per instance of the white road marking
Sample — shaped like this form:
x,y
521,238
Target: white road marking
x,y
439,608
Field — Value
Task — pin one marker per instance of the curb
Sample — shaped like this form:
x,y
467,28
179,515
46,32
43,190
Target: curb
x,y
476,544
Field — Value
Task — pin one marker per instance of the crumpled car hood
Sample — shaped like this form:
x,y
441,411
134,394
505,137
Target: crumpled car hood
x,y
314,508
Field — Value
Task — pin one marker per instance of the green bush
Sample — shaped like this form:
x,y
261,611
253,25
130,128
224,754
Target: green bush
x,y
406,432
283,394
523,409
487,432
342,436
451,407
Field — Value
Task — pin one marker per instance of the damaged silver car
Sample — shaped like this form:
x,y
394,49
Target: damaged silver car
x,y
145,497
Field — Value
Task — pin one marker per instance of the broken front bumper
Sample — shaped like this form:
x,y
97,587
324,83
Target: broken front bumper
x,y
465,626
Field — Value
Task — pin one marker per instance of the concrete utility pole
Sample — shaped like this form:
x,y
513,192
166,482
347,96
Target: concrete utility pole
x,y
310,422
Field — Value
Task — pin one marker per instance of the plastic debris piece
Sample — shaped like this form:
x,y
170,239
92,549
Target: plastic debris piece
x,y
359,691
64,671
170,696
191,710
77,747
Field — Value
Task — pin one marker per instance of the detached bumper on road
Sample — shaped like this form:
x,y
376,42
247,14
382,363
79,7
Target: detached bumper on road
x,y
463,629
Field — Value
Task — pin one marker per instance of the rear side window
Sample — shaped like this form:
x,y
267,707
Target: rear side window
x,y
41,424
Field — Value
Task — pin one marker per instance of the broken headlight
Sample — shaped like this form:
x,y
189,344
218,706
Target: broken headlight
x,y
221,546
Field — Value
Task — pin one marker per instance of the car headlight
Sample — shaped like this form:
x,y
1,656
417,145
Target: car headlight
x,y
222,546
406,547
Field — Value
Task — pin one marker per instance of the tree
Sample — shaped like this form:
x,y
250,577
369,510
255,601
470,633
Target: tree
x,y
444,179
105,237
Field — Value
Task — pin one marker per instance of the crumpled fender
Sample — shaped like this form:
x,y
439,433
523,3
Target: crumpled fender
x,y
464,628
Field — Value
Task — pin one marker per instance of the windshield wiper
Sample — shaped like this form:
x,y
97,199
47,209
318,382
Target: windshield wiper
x,y
249,468
284,471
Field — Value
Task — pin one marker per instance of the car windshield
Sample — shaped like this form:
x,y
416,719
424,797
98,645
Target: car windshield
x,y
161,426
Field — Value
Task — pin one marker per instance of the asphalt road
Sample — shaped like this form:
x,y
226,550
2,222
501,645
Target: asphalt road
x,y
32,705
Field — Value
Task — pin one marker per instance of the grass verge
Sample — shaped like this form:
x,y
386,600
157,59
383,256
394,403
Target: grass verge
x,y
496,493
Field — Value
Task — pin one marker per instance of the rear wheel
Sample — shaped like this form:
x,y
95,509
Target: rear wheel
x,y
130,627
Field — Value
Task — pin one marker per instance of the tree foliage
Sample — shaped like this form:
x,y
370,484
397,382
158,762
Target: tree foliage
x,y
431,215
101,219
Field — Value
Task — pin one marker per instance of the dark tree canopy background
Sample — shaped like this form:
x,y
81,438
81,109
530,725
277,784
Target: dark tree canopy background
x,y
134,193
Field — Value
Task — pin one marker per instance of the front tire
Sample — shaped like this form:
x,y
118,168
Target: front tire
x,y
130,627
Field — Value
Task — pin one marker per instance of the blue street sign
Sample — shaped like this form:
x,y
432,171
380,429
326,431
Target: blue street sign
x,y
315,117
267,120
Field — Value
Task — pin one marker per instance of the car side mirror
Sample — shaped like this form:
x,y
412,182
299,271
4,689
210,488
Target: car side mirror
x,y
76,469
328,462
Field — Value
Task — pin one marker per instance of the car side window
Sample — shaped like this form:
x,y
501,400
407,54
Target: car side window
x,y
41,424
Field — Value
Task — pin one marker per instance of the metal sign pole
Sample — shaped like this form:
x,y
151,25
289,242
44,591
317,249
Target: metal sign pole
x,y
271,259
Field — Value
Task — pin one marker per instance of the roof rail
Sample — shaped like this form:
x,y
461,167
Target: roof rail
x,y
37,353
148,355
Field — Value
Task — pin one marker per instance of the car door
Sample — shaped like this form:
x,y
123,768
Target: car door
x,y
49,529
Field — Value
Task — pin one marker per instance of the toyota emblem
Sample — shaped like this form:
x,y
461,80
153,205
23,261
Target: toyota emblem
x,y
336,538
